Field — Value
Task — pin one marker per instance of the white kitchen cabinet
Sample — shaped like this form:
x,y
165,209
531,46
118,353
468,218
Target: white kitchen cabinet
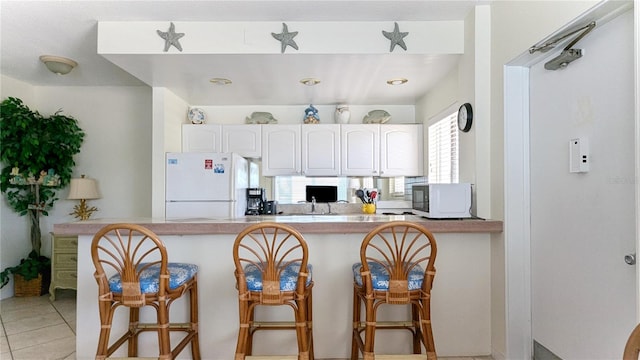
x,y
245,140
201,138
281,150
320,149
401,150
360,150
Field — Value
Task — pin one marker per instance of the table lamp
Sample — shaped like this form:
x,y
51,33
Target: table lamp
x,y
83,189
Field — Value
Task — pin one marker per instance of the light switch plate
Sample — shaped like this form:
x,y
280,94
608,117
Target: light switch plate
x,y
579,155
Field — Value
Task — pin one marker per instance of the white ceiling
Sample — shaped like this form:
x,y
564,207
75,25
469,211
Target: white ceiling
x,y
69,28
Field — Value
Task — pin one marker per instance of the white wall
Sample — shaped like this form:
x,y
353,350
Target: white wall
x,y
116,152
582,225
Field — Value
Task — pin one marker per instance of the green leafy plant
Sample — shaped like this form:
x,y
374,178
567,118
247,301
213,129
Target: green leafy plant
x,y
34,146
28,268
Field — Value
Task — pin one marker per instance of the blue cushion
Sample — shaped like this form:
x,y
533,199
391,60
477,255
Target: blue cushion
x,y
288,277
380,276
179,273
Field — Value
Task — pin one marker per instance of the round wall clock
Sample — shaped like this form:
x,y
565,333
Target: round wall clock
x,y
465,117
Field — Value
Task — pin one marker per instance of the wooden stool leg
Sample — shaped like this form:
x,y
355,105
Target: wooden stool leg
x,y
356,324
163,330
243,332
417,332
427,332
370,329
310,323
106,317
134,320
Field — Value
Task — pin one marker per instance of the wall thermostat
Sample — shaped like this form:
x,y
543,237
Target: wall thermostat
x,y
578,155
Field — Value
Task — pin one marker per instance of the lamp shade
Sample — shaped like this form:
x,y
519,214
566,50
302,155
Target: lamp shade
x,y
83,188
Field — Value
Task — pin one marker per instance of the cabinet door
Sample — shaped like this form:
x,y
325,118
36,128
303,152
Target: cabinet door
x,y
245,140
360,150
280,150
321,150
401,151
201,138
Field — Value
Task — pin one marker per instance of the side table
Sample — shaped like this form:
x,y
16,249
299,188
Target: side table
x,y
64,263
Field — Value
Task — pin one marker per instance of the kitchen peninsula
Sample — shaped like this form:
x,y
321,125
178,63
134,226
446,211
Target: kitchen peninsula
x,y
461,292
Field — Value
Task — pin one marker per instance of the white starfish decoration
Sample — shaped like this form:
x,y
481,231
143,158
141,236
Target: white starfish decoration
x,y
171,37
396,37
286,38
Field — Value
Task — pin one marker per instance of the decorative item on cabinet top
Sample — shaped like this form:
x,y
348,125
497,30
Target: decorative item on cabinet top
x,y
311,115
260,117
342,114
196,116
376,117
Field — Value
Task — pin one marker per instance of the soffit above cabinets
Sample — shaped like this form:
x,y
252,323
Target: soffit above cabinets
x,y
352,60
346,75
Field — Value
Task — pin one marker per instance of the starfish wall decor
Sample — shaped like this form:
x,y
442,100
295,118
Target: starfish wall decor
x,y
286,38
171,37
396,37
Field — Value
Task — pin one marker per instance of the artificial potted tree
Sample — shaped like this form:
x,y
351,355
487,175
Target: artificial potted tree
x,y
37,160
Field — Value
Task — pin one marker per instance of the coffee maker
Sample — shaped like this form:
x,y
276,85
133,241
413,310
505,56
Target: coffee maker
x,y
256,198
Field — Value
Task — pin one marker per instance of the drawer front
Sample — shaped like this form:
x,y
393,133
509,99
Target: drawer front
x,y
65,278
62,243
65,260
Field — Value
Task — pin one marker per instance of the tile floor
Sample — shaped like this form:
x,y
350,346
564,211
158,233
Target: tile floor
x,y
34,328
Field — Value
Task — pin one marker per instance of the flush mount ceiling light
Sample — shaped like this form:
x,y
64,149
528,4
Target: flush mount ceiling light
x,y
398,81
57,64
310,81
220,81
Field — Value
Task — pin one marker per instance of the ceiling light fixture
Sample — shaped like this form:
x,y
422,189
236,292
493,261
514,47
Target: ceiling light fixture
x,y
310,81
220,81
57,64
398,81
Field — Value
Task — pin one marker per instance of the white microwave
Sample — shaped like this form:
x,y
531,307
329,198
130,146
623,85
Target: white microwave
x,y
442,201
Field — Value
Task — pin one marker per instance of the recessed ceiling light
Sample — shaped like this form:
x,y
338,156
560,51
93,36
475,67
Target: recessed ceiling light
x,y
220,81
310,81
398,81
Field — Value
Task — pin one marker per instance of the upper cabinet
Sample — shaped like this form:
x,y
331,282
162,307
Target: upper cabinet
x,y
201,138
401,150
360,150
281,150
245,140
385,150
320,149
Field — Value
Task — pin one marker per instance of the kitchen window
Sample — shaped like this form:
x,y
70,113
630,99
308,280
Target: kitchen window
x,y
443,150
291,189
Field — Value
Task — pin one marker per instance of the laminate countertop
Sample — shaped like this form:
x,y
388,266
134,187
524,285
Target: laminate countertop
x,y
312,224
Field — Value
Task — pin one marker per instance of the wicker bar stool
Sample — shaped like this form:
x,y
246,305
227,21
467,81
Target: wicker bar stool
x,y
396,267
271,269
132,271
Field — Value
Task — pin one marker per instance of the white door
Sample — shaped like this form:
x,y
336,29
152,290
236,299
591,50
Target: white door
x,y
321,149
360,147
201,138
401,150
583,224
244,140
281,150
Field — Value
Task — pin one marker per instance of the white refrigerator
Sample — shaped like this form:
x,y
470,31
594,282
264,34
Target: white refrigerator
x,y
205,185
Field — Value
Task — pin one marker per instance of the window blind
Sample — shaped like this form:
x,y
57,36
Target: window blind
x,y
443,150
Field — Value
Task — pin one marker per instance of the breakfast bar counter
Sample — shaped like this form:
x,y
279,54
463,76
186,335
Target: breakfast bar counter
x,y
461,305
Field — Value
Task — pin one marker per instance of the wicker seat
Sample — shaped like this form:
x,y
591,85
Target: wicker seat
x,y
396,267
271,269
132,271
